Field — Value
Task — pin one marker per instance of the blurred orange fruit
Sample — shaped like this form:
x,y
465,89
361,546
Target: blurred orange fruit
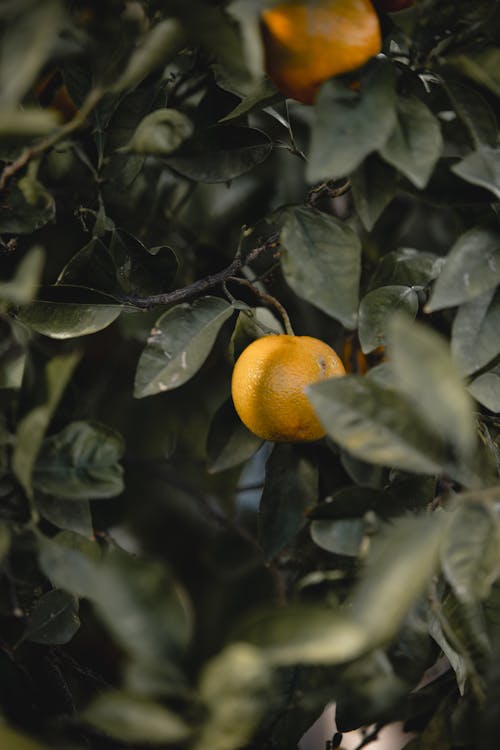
x,y
308,41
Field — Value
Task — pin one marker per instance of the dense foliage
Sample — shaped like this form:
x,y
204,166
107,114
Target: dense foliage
x,y
165,577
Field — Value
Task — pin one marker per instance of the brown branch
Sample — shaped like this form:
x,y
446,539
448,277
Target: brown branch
x,y
269,299
202,285
328,188
78,121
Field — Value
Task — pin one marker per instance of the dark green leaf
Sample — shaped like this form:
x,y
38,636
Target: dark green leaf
x,y
229,442
18,215
474,111
90,267
290,488
17,741
54,619
474,337
139,271
321,261
407,267
5,539
471,268
70,562
457,661
376,309
133,719
22,287
373,188
81,461
415,144
481,167
482,67
161,132
340,537
486,390
221,153
72,516
349,124
376,424
31,429
179,344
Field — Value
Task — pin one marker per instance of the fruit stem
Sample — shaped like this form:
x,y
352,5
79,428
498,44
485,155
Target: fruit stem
x,y
269,299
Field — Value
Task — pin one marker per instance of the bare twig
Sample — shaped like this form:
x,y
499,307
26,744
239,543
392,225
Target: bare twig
x,y
328,188
270,301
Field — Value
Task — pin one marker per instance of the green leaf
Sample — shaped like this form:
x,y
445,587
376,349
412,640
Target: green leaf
x,y
18,215
81,461
340,537
53,620
72,516
91,267
481,167
406,267
349,124
456,660
133,719
376,309
139,271
321,260
415,144
159,46
161,132
474,336
482,67
22,287
70,562
486,390
376,424
373,188
31,429
426,374
66,312
470,552
290,488
474,111
27,122
221,153
10,738
236,687
179,344
229,442
471,268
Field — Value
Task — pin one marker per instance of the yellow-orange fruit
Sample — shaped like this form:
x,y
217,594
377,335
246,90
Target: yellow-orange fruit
x,y
269,382
308,41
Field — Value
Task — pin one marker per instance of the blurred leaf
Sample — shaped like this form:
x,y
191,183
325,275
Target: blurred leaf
x,y
133,719
229,442
32,427
70,562
54,619
138,270
5,539
73,515
415,144
471,268
481,66
470,553
486,390
456,660
27,43
235,686
21,216
26,122
340,537
481,167
349,124
474,336
221,153
474,111
290,488
321,260
376,309
179,344
373,188
376,424
81,461
64,312
10,738
159,46
22,287
437,733
161,132
426,374
407,267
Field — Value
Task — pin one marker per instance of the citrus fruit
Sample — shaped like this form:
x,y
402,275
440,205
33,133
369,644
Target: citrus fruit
x,y
269,381
308,41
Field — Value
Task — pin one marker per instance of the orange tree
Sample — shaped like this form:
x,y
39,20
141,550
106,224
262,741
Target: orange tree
x,y
168,578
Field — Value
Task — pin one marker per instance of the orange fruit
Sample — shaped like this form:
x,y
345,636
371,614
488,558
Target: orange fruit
x,y
308,41
269,382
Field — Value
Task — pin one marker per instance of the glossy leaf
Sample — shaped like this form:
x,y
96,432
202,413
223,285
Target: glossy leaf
x,y
407,267
80,462
132,719
377,308
415,144
340,537
321,260
349,124
229,442
54,619
474,336
161,132
481,167
486,390
472,267
180,342
290,488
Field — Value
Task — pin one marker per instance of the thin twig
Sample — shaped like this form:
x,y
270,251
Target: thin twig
x,y
329,188
269,299
93,98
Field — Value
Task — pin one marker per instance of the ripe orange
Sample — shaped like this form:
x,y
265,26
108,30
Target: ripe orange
x,y
269,381
308,41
